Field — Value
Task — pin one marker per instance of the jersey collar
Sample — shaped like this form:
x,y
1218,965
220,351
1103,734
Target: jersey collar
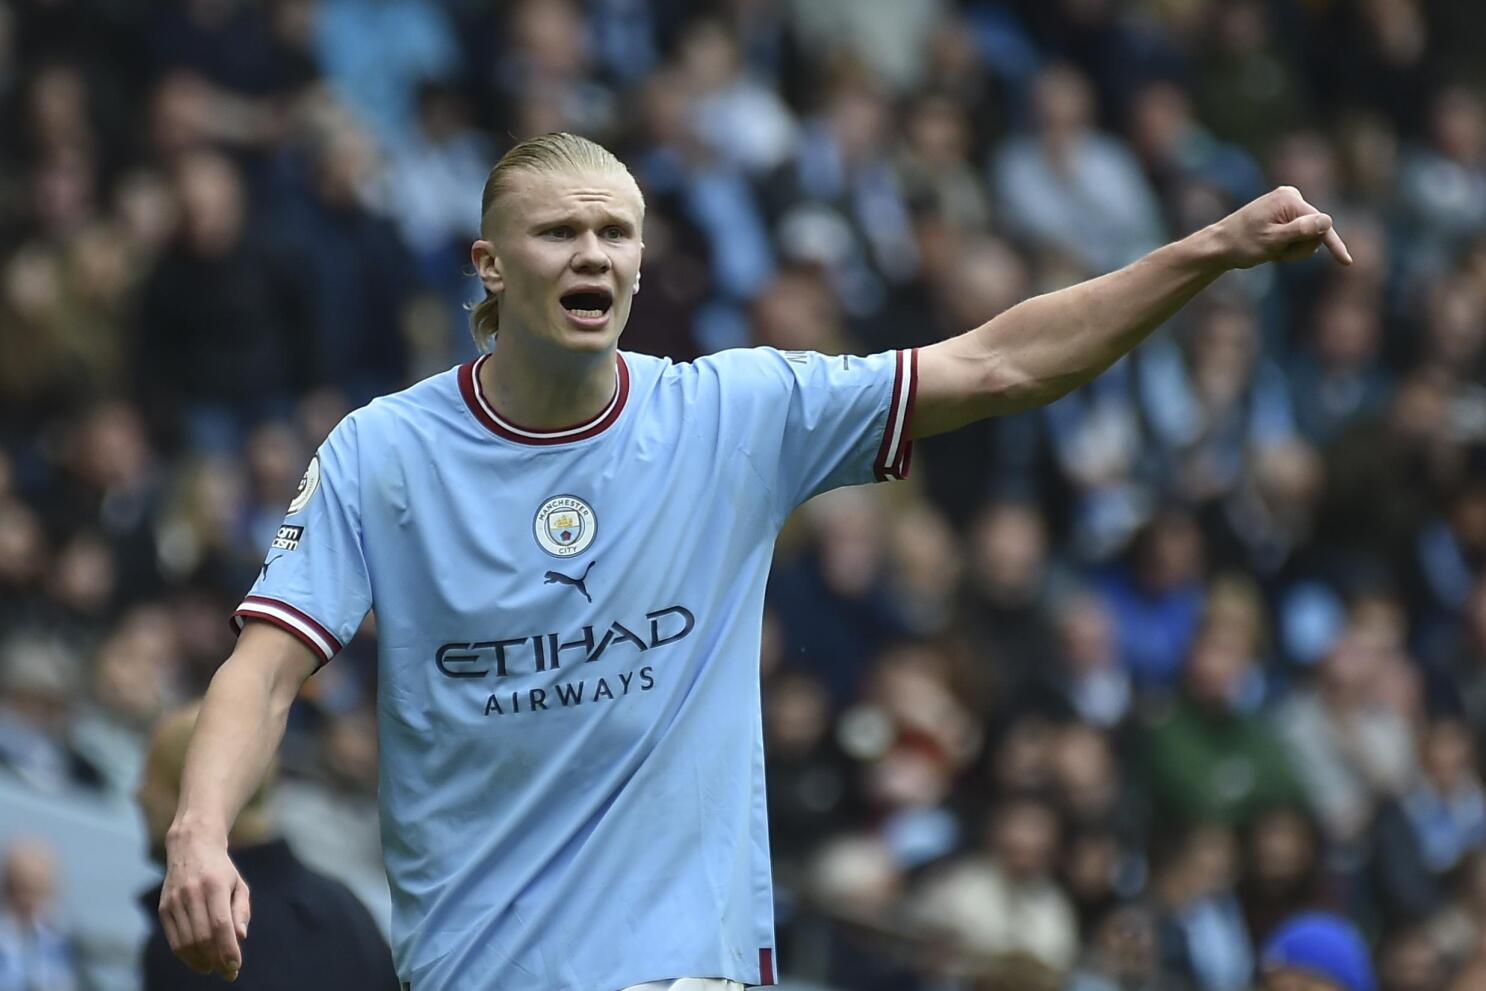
x,y
484,411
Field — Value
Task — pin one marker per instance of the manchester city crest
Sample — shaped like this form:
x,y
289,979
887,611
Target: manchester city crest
x,y
564,526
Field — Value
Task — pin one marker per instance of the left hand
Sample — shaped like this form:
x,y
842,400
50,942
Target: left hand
x,y
1278,226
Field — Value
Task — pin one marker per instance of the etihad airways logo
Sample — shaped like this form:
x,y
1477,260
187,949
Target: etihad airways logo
x,y
506,656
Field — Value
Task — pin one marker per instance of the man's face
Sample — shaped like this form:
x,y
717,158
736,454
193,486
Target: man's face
x,y
563,256
1288,979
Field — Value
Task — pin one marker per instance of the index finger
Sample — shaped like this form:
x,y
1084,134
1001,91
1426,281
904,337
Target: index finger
x,y
1336,246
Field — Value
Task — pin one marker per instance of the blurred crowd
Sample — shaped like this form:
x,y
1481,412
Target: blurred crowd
x,y
1099,697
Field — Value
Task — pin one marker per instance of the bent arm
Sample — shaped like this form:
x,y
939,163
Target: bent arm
x,y
1046,346
239,729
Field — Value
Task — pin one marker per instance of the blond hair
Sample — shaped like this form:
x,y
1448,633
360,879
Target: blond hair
x,y
558,151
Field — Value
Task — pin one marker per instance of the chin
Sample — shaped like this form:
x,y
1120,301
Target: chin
x,y
586,340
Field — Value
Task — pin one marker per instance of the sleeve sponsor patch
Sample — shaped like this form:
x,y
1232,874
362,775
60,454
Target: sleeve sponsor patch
x,y
307,486
288,538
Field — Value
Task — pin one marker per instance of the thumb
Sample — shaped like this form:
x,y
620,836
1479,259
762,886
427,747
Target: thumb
x,y
1305,228
241,913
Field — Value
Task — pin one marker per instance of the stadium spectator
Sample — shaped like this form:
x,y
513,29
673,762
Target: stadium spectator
x,y
1071,188
35,952
1096,436
1090,787
1155,598
1283,872
314,930
1201,929
843,173
1460,929
135,672
935,164
1087,675
329,813
222,320
1011,584
1213,757
24,561
430,179
1212,400
834,602
1265,524
714,200
1317,950
1123,955
376,58
1424,834
1408,961
925,571
350,274
1351,750
745,122
1442,185
1337,380
39,681
1177,151
855,880
1247,92
1005,900
1459,660
808,775
886,35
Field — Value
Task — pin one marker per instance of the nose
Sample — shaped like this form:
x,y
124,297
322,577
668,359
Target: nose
x,y
588,254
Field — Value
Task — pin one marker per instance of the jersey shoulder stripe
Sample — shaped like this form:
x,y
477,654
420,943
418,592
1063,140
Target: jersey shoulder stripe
x,y
896,452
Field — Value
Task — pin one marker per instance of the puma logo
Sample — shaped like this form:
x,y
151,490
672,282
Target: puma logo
x,y
578,583
263,571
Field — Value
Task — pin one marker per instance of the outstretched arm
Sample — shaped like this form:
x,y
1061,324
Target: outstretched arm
x,y
1046,346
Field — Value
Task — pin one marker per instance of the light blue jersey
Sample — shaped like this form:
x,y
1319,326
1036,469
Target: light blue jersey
x,y
568,625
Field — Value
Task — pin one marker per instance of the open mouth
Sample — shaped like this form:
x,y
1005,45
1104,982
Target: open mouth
x,y
588,303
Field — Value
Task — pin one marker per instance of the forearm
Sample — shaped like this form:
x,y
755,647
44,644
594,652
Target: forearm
x,y
237,733
1046,346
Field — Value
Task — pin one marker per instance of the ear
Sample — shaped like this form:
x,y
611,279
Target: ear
x,y
487,266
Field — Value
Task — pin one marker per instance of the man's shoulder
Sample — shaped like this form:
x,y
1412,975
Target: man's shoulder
x,y
431,402
728,366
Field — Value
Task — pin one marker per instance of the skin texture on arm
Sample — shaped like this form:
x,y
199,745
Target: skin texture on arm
x,y
1047,346
204,903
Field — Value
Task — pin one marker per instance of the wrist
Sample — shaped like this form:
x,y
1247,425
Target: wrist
x,y
190,826
1210,250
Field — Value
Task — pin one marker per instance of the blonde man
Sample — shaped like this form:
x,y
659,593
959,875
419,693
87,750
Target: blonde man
x,y
566,546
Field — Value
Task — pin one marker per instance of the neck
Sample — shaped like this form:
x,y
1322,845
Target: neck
x,y
545,389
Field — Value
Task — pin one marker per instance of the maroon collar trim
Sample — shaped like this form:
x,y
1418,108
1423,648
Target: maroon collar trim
x,y
474,398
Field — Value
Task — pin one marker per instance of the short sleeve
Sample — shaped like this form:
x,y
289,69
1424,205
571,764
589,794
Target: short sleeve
x,y
824,421
314,581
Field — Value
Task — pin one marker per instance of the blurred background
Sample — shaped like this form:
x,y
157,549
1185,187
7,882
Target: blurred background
x,y
1098,697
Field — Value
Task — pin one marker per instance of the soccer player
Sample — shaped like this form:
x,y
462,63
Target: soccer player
x,y
566,547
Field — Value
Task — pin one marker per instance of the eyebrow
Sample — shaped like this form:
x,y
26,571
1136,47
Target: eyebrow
x,y
609,218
